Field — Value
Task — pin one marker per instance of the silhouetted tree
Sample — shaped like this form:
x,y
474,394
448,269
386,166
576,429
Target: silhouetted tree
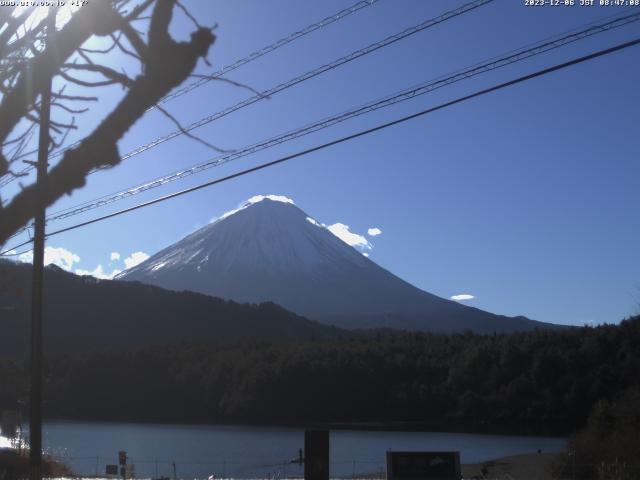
x,y
28,59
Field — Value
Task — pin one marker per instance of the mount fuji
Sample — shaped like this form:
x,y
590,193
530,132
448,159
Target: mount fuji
x,y
269,250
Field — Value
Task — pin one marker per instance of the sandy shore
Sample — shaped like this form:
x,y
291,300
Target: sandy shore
x,y
534,466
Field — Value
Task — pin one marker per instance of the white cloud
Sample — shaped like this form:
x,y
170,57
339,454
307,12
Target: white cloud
x,y
374,232
59,256
365,254
462,297
135,259
98,272
341,231
114,256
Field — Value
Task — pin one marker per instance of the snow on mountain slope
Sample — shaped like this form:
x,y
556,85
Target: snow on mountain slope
x,y
270,250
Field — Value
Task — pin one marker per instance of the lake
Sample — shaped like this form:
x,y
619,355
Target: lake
x,y
256,452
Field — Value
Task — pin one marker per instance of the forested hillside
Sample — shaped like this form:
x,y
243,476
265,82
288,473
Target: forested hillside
x,y
84,314
545,381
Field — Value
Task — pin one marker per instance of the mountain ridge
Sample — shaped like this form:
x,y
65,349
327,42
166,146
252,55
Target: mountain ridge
x,y
82,313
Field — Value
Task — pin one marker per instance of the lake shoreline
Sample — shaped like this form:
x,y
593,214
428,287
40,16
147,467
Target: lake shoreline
x,y
533,465
373,426
200,451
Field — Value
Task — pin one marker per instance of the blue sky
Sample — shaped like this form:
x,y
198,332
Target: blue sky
x,y
526,199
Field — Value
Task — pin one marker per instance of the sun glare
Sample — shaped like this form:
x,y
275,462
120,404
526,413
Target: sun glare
x,y
5,442
40,13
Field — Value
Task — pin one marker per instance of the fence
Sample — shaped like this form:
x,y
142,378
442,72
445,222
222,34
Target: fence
x,y
222,468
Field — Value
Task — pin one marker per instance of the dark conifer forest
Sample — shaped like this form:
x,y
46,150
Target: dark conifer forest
x,y
533,382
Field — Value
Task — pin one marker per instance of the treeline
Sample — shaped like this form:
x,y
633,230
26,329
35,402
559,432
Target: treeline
x,y
609,444
540,381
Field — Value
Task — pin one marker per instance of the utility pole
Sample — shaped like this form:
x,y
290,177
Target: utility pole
x,y
35,417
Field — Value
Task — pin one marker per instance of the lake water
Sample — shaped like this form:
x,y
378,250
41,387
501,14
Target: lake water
x,y
256,452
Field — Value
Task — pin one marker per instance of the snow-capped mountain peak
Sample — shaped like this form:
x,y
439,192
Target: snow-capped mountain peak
x,y
268,249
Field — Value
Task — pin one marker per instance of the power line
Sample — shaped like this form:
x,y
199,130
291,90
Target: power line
x,y
10,253
407,94
353,136
299,79
310,74
356,7
404,95
270,48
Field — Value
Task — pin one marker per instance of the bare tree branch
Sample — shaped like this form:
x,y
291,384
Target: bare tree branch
x,y
85,56
84,83
167,64
57,144
79,98
69,109
95,18
231,82
135,40
13,24
98,50
105,71
188,14
188,134
138,10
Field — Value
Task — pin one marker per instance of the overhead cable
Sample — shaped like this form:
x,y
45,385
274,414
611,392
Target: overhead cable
x,y
353,136
356,7
404,95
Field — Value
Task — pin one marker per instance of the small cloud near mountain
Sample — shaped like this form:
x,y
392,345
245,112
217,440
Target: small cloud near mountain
x,y
98,272
58,256
374,232
67,260
134,259
462,297
352,239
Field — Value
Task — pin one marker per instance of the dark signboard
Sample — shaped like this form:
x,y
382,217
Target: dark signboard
x,y
423,466
111,470
316,455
